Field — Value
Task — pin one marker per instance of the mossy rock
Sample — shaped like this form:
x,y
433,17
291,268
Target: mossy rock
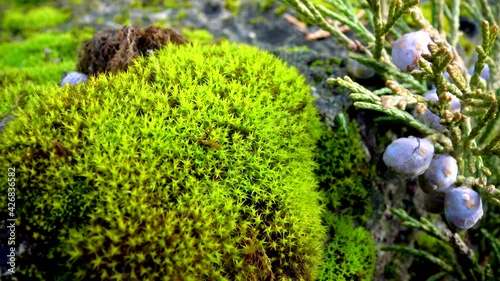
x,y
194,164
350,253
344,172
345,177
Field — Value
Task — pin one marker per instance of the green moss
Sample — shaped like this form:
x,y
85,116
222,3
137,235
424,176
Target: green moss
x,y
295,49
21,21
344,176
233,6
281,9
25,67
180,15
23,2
157,5
344,172
196,164
136,4
122,18
18,84
350,255
391,269
198,35
257,20
31,52
265,5
175,4
332,61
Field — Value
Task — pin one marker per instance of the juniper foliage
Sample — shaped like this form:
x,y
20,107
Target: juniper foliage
x,y
471,136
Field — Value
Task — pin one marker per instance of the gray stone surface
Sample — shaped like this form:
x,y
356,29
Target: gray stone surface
x,y
4,122
73,78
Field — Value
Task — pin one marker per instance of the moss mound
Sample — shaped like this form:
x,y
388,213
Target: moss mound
x,y
351,253
195,164
114,50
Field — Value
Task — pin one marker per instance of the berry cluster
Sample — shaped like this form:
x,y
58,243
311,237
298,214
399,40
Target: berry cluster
x,y
414,157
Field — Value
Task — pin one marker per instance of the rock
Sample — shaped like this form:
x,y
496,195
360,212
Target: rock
x,y
4,122
73,78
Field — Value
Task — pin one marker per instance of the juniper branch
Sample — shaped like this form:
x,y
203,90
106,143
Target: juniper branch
x,y
454,19
489,34
490,116
438,15
309,10
377,27
423,225
486,11
437,276
494,242
355,25
390,72
423,254
465,257
490,148
397,12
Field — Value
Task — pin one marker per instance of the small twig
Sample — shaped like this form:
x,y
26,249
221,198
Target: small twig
x,y
300,26
320,33
208,142
16,104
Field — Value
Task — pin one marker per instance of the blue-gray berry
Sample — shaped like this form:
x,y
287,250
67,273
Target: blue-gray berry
x,y
73,78
462,207
410,156
407,50
441,173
